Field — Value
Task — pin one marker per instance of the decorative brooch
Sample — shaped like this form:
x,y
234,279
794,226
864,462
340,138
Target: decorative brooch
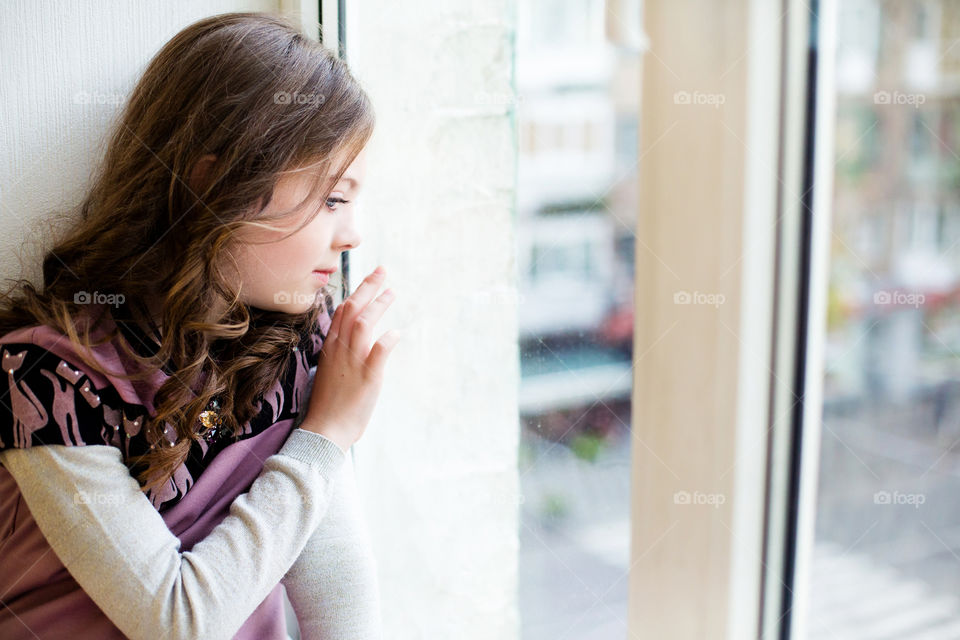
x,y
211,421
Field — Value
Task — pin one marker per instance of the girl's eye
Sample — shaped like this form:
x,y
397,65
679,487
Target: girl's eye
x,y
335,200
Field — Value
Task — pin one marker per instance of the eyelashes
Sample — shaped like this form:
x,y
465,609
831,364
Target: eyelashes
x,y
336,200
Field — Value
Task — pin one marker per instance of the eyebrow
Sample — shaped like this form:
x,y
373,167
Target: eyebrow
x,y
353,183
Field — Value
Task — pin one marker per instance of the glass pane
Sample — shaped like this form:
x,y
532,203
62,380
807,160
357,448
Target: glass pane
x,y
577,174
887,545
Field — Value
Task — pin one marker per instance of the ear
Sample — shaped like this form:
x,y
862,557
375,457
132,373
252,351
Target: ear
x,y
199,173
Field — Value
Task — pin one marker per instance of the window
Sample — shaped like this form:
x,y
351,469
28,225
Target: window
x,y
575,227
886,549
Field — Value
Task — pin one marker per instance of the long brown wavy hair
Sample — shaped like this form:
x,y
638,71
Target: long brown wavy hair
x,y
265,100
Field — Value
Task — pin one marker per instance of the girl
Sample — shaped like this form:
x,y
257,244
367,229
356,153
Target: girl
x,y
159,428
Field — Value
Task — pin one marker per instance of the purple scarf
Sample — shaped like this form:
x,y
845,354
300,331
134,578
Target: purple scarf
x,y
41,596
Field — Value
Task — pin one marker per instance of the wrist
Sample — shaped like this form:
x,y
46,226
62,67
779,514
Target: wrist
x,y
343,446
328,431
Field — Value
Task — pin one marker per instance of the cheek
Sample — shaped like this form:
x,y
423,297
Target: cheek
x,y
292,258
279,262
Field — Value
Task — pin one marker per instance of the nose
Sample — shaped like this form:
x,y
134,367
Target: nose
x,y
349,239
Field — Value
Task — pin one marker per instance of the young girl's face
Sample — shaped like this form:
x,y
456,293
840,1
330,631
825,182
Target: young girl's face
x,y
278,275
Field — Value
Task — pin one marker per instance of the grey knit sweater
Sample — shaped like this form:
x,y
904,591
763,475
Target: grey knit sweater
x,y
117,547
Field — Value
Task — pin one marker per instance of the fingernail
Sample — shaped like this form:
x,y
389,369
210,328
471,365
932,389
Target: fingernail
x,y
378,270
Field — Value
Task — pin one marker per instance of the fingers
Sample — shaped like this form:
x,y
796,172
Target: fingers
x,y
357,302
363,326
381,349
335,322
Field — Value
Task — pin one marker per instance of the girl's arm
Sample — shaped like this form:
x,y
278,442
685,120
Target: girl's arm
x,y
333,584
117,547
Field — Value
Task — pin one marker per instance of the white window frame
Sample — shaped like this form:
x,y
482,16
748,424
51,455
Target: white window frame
x,y
715,389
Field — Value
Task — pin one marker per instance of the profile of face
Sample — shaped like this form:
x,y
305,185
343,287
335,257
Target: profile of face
x,y
279,274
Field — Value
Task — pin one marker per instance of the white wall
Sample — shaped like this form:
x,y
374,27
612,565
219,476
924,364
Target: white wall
x,y
65,68
438,464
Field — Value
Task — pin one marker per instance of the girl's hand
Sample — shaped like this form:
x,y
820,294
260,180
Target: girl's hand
x,y
350,372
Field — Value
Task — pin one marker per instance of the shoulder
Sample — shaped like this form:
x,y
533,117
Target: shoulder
x,y
47,399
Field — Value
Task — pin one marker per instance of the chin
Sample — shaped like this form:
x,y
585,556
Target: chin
x,y
301,308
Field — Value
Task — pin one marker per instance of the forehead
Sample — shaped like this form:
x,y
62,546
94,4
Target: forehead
x,y
354,173
352,177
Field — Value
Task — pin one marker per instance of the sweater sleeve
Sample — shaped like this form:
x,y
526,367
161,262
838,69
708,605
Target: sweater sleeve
x,y
333,584
117,547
